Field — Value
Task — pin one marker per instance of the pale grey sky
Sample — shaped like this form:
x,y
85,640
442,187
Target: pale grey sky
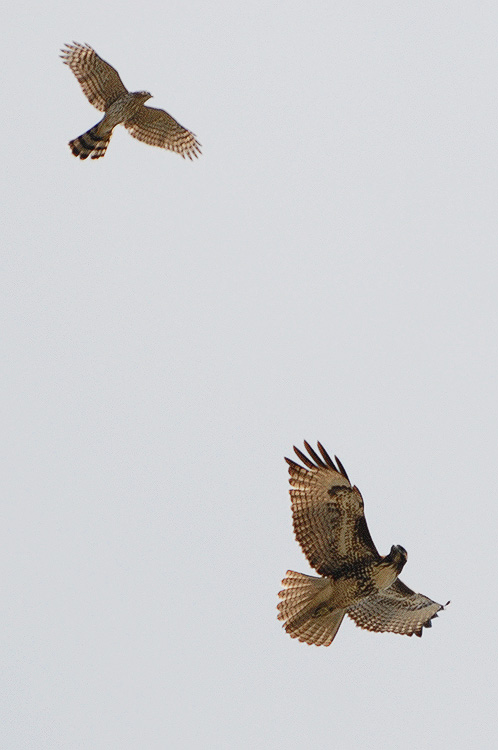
x,y
326,270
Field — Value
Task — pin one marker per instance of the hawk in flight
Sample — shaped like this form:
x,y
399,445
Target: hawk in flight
x,y
330,526
104,89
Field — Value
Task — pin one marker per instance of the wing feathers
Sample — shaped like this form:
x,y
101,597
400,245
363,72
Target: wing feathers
x,y
158,128
99,81
328,517
397,609
316,458
326,457
306,461
341,468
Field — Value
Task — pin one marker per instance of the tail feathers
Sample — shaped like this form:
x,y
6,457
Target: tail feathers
x,y
90,144
305,609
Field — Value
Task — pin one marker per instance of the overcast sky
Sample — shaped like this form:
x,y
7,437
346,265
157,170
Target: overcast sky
x,y
326,270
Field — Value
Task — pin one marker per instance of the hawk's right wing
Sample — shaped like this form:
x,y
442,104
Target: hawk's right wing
x,y
157,128
329,522
397,609
100,82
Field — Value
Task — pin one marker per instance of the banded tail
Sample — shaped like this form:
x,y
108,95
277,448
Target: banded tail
x,y
305,611
90,144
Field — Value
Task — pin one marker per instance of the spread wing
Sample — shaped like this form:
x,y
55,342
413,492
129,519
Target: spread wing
x,y
327,514
397,609
100,82
157,128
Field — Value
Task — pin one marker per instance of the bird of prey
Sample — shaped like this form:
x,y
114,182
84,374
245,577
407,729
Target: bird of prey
x,y
104,89
330,526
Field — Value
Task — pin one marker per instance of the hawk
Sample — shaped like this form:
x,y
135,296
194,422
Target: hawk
x,y
330,526
104,89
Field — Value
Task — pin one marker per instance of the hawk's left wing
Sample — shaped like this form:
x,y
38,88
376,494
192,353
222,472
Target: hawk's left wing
x,y
397,609
327,513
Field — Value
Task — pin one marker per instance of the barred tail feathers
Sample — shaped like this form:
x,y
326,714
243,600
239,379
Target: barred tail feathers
x,y
90,144
303,608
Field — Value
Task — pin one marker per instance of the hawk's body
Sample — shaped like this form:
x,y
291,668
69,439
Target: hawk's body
x,y
104,89
330,526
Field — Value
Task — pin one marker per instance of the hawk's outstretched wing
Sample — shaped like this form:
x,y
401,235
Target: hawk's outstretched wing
x,y
100,82
157,128
397,609
329,522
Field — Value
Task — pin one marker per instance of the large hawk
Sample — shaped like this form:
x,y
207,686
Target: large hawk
x,y
329,524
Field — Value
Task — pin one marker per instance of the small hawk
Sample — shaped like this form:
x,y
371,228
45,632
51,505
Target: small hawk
x,y
329,524
104,89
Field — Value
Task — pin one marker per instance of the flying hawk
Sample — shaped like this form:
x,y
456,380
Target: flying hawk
x,y
330,526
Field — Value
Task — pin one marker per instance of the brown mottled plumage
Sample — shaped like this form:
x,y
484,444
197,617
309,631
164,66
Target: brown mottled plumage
x,y
329,524
104,89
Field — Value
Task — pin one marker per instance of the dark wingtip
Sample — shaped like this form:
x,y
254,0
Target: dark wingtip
x,y
326,456
291,463
302,457
314,455
342,469
322,462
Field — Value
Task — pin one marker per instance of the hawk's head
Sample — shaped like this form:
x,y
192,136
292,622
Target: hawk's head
x,y
390,566
397,557
143,95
